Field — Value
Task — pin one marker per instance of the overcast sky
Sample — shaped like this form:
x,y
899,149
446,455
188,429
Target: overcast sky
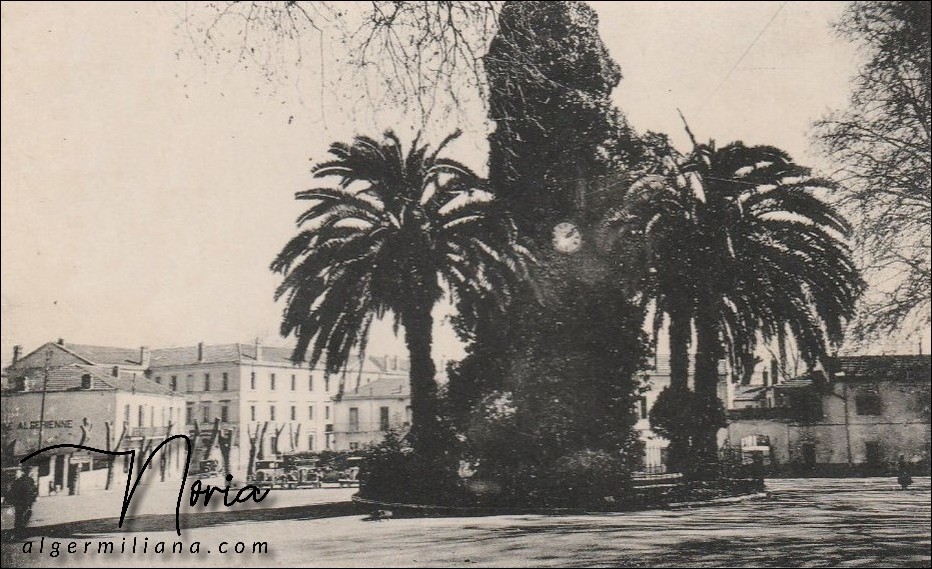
x,y
145,191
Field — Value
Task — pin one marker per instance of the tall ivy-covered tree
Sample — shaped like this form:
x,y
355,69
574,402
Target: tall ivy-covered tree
x,y
556,140
394,229
880,145
557,134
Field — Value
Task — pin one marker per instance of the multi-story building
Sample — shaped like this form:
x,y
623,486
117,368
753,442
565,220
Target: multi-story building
x,y
88,395
248,397
861,415
365,414
264,402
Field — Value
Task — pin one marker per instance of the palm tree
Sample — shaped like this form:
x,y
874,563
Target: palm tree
x,y
395,232
771,260
738,242
656,225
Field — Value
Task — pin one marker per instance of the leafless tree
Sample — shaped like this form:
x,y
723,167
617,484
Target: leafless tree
x,y
881,147
423,55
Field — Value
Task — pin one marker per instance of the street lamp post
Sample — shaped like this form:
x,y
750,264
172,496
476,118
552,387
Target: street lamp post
x,y
45,385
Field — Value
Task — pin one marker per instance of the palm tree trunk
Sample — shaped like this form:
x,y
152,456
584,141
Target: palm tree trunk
x,y
708,349
680,333
418,324
680,337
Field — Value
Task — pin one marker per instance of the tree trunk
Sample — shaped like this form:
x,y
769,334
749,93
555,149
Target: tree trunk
x,y
418,324
680,332
111,445
680,338
225,442
708,350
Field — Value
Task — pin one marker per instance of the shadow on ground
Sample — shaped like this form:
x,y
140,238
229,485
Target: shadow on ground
x,y
166,522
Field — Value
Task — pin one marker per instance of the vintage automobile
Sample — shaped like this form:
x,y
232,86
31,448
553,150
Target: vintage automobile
x,y
300,472
269,472
209,468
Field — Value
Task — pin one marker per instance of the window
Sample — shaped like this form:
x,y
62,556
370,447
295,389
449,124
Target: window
x,y
272,382
294,413
126,414
867,403
206,412
226,381
327,412
252,412
354,446
642,407
141,416
271,412
206,382
171,415
158,379
808,450
174,383
326,383
252,381
294,384
310,442
310,383
407,416
383,418
274,444
189,413
354,418
310,413
873,453
224,412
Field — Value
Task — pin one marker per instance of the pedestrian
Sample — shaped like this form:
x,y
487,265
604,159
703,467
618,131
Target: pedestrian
x,y
902,473
23,494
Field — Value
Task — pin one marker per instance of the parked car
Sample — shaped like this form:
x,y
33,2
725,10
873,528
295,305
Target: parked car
x,y
300,472
205,469
269,472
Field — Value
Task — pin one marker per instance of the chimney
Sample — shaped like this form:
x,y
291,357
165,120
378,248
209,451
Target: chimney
x,y
144,356
61,341
200,351
17,353
258,350
115,372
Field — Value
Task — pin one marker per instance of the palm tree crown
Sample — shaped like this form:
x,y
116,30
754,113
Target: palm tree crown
x,y
739,242
394,232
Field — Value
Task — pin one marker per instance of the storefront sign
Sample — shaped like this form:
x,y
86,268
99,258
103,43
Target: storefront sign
x,y
34,425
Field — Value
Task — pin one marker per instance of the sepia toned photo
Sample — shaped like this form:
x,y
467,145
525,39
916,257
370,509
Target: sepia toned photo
x,y
455,284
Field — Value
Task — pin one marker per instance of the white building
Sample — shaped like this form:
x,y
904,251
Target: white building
x,y
93,396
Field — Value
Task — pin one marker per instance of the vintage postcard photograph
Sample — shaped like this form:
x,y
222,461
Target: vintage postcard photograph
x,y
465,283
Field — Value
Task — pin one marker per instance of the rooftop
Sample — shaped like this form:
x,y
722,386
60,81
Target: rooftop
x,y
71,378
387,387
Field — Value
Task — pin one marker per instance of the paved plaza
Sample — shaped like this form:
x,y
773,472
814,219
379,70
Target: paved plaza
x,y
805,523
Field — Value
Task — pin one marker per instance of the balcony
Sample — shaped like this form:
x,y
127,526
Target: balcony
x,y
803,413
762,413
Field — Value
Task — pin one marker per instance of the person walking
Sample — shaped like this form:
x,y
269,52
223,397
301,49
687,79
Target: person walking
x,y
23,493
902,473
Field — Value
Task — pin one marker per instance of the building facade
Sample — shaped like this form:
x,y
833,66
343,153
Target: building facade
x,y
84,395
861,416
238,402
365,414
